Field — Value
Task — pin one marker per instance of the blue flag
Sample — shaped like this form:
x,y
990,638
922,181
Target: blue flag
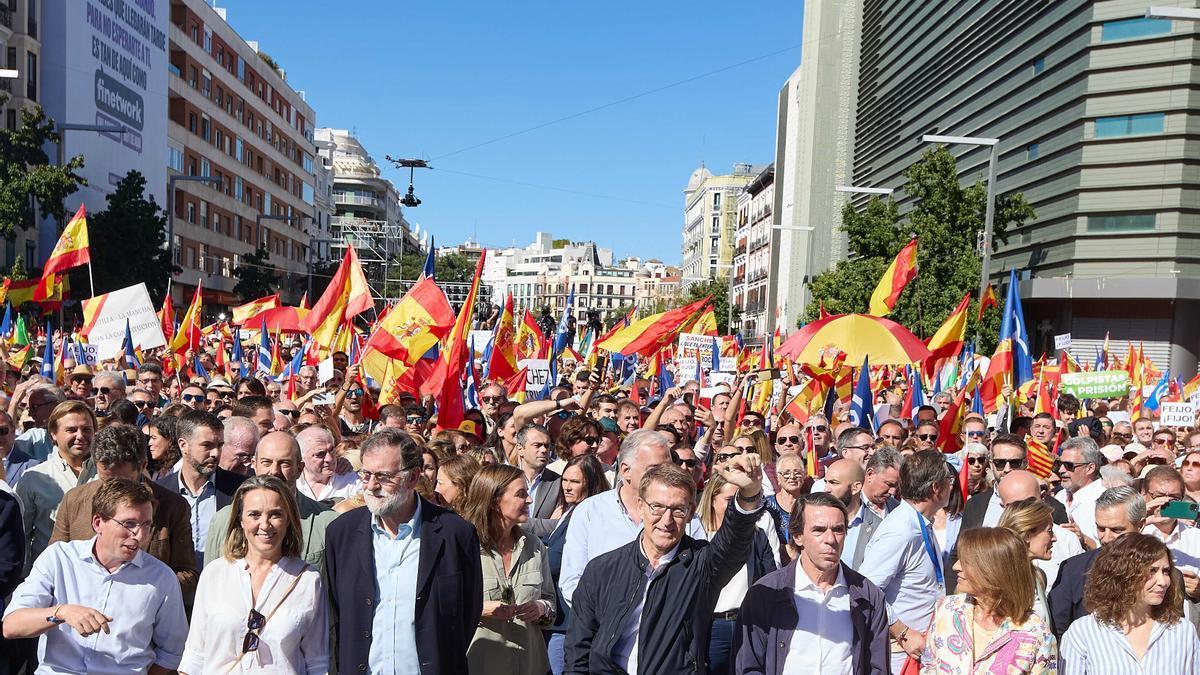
x,y
862,403
237,354
131,359
1012,327
1160,390
977,403
716,356
200,369
918,394
429,261
264,350
6,327
48,355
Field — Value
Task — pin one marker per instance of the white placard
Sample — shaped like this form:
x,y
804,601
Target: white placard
x,y
728,364
686,369
721,378
1177,415
89,354
107,314
324,370
1062,342
690,343
537,375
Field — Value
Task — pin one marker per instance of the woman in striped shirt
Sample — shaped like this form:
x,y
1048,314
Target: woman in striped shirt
x,y
1136,624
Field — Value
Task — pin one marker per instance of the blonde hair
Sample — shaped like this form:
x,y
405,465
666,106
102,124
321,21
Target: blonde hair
x,y
711,489
235,544
762,444
1026,517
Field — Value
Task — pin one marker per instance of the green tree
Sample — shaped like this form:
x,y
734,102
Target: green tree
x,y
127,242
947,219
18,272
450,268
256,276
25,171
719,290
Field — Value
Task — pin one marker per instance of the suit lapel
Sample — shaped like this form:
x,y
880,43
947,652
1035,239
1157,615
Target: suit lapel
x,y
432,543
366,554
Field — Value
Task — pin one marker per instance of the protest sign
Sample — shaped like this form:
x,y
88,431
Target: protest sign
x,y
1177,414
536,375
1099,384
105,316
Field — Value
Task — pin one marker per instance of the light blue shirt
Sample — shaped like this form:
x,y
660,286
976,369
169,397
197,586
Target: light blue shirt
x,y
393,629
1092,648
601,524
853,528
143,598
15,464
203,508
36,443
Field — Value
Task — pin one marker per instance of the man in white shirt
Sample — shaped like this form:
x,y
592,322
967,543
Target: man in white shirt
x,y
1164,485
1078,466
816,615
903,558
133,619
320,481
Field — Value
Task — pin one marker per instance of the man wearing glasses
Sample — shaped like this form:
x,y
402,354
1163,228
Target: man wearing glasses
x,y
491,397
1008,454
974,430
42,399
1164,485
107,388
405,575
926,435
144,400
80,382
1078,466
194,398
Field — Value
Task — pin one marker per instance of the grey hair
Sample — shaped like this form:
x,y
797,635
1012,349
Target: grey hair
x,y
1125,495
305,437
848,435
110,376
637,439
240,425
885,457
410,452
1087,448
523,433
1115,474
978,449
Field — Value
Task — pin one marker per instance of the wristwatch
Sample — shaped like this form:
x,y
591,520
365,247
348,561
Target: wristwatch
x,y
53,618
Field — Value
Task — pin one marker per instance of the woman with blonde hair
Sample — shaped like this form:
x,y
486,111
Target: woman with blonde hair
x,y
518,589
989,626
453,478
1033,521
1136,623
259,606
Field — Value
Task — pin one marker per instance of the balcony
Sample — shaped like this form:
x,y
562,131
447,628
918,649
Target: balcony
x,y
5,16
357,200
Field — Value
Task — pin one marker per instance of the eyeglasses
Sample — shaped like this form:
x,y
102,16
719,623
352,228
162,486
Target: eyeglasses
x,y
1002,464
1164,441
101,390
725,456
689,463
864,448
354,393
1186,465
1159,495
656,510
1069,466
254,623
384,477
193,398
1119,434
978,461
133,526
927,437
493,399
415,419
289,413
819,428
590,440
794,440
141,405
976,434
791,473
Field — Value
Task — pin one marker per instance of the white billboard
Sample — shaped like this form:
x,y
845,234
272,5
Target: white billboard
x,y
104,62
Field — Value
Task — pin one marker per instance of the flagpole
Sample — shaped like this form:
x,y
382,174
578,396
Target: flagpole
x,y
91,282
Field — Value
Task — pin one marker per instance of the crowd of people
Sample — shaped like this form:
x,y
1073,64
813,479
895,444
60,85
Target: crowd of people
x,y
202,525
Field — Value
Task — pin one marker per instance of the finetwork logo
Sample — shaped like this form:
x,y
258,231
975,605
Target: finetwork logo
x,y
120,101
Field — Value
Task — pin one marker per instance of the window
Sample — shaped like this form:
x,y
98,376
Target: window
x,y
175,158
1129,29
238,149
1124,223
237,188
1031,152
1130,125
191,213
205,128
716,200
1039,64
31,76
205,167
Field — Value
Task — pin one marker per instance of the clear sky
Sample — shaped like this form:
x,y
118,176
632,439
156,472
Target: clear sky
x,y
433,79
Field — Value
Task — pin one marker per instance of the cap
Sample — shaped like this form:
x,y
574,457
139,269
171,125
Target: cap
x,y
1134,449
608,424
469,427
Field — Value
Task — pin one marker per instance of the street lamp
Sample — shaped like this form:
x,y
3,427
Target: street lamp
x,y
1181,13
993,143
171,209
98,128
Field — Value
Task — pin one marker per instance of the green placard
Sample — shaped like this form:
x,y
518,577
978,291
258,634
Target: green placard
x,y
1101,384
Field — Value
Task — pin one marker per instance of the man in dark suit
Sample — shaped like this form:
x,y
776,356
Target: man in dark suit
x,y
1008,454
206,487
1119,511
404,575
545,485
773,634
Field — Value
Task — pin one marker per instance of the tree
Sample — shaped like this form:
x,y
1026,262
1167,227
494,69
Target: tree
x,y
25,172
17,272
719,290
450,268
256,276
947,220
128,242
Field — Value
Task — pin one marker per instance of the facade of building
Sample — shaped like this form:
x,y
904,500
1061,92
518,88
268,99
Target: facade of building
x,y
367,213
752,256
1094,107
658,289
234,117
710,221
813,151
20,50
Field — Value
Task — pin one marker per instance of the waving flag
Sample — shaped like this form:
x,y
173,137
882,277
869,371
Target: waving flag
x,y
237,355
427,271
646,336
862,402
442,383
188,335
947,342
70,251
264,351
407,332
988,300
48,356
6,327
1038,458
1158,393
503,362
898,274
915,398
529,338
1011,364
347,296
251,310
950,426
128,351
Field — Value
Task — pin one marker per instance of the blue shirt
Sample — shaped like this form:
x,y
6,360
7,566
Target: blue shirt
x,y
1098,649
36,443
142,597
15,464
601,524
853,529
393,629
203,508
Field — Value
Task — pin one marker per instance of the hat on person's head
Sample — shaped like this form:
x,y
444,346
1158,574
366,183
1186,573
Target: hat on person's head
x,y
1133,450
82,370
609,425
469,427
1112,452
219,383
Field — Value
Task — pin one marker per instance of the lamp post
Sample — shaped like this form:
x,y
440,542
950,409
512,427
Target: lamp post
x,y
98,128
171,208
993,143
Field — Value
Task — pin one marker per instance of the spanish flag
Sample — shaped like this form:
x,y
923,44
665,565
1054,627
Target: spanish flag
x,y
898,274
950,426
504,353
445,384
249,311
987,300
947,342
346,297
529,338
70,251
647,336
188,335
409,330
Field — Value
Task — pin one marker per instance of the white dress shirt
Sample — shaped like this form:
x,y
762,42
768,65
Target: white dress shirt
x,y
295,638
625,650
1081,507
824,635
735,591
995,509
1066,545
1184,543
203,506
142,596
897,562
342,486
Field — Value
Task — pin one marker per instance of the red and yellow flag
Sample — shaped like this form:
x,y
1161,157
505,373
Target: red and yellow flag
x,y
947,342
647,336
898,274
409,330
445,384
347,296
247,312
1038,458
504,351
988,300
529,338
70,251
166,316
189,334
950,426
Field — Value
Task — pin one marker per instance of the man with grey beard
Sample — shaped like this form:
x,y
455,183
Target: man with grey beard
x,y
404,575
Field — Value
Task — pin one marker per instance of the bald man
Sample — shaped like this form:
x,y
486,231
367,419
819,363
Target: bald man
x,y
278,454
844,480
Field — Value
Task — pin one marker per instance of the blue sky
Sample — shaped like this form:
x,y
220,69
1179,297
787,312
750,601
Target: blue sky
x,y
432,79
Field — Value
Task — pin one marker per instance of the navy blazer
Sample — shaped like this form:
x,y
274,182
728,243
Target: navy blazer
x,y
768,618
1066,597
224,482
449,590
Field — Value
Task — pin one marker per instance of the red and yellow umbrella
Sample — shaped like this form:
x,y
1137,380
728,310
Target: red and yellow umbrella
x,y
882,341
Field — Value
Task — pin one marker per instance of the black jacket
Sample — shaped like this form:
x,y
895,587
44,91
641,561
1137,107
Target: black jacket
x,y
677,615
1066,596
974,512
449,590
224,482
